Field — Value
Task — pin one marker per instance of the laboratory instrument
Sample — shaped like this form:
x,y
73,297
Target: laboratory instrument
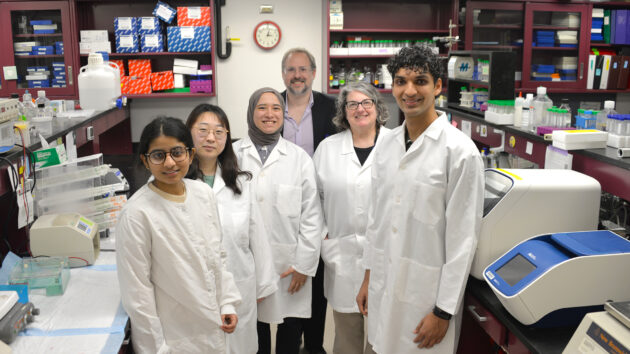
x,y
603,332
14,316
70,235
522,203
579,139
50,273
554,279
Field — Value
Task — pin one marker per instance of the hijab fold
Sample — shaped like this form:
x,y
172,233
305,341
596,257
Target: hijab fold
x,y
258,136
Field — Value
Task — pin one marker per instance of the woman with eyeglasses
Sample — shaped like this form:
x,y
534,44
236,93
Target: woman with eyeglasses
x,y
343,163
244,236
171,266
286,193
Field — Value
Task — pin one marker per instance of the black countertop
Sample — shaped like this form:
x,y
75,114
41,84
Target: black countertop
x,y
537,340
607,155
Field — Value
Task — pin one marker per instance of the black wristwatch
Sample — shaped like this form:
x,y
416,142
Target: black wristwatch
x,y
441,313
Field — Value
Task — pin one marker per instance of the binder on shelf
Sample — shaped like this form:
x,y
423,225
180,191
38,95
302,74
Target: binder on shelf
x,y
621,20
605,72
624,70
613,25
599,64
606,29
591,72
613,75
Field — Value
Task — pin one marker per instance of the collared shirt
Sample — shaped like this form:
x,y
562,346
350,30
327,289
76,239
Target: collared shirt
x,y
265,150
301,134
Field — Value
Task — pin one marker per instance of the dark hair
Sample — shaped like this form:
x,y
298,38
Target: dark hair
x,y
418,57
167,126
227,159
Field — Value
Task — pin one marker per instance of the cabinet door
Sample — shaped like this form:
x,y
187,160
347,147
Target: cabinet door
x,y
37,40
555,46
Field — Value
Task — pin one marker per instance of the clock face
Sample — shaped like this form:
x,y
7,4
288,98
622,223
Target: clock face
x,y
267,35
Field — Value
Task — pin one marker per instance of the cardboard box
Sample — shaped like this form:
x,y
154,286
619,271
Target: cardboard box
x,y
90,47
125,25
197,86
162,80
94,36
139,85
336,20
151,43
164,12
335,6
126,43
184,70
193,16
124,85
188,39
149,25
50,157
179,81
139,67
121,66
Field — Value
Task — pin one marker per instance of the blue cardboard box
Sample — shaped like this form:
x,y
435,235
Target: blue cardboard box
x,y
125,25
188,39
152,43
148,25
126,43
164,12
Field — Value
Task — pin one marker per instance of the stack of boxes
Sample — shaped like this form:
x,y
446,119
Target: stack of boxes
x,y
59,48
567,39
151,38
203,80
24,48
43,26
59,74
126,31
544,39
42,50
193,31
94,41
139,79
597,25
37,77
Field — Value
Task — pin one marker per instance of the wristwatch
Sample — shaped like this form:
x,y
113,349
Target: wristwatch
x,y
441,313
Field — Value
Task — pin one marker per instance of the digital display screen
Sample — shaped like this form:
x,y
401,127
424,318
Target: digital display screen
x,y
515,269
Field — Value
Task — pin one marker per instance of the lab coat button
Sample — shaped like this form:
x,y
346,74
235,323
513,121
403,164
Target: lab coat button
x,y
394,230
260,199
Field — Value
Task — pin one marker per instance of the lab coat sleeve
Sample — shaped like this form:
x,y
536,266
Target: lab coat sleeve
x,y
371,230
464,208
319,164
266,277
312,229
133,263
229,296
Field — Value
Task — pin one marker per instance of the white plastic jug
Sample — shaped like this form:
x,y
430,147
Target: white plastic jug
x,y
99,84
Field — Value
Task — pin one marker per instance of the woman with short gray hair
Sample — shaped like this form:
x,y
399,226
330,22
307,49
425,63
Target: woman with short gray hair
x,y
343,165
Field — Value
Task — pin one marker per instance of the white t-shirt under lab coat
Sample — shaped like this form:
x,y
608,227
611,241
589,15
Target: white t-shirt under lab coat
x,y
286,192
171,268
428,206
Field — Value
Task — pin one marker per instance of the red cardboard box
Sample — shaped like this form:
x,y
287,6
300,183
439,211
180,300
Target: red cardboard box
x,y
124,85
193,16
140,67
121,66
139,85
162,80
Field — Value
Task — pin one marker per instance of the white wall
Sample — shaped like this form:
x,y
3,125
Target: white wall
x,y
249,67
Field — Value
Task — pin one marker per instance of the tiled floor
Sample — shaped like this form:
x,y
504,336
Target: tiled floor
x,y
137,175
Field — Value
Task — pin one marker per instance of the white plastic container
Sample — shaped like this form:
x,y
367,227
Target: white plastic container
x,y
99,84
518,110
43,125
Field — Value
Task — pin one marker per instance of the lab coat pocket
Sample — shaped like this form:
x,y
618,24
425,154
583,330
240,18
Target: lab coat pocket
x,y
351,253
283,256
428,206
330,252
289,200
416,283
240,228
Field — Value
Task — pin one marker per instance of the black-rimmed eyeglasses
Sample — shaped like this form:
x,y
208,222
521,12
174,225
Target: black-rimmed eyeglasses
x,y
178,154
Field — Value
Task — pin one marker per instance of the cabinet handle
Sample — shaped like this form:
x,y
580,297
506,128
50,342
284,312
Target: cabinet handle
x,y
70,79
581,71
479,318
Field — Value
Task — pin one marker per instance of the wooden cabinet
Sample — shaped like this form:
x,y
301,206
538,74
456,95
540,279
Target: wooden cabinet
x,y
370,25
99,14
38,39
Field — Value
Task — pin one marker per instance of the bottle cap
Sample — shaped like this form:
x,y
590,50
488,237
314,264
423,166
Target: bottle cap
x,y
41,93
541,90
609,104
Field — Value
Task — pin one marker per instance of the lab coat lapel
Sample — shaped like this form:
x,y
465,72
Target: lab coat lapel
x,y
279,149
347,146
219,183
250,149
432,132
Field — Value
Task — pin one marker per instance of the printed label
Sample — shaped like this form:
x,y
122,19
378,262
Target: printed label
x,y
148,23
187,32
194,13
164,12
152,40
126,41
124,23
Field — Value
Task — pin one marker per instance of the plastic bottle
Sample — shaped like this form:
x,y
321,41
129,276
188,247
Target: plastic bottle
x,y
566,119
99,84
342,76
378,78
330,76
30,110
41,98
526,110
44,119
367,75
519,102
540,105
602,116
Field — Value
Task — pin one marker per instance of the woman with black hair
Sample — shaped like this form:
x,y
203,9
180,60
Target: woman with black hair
x,y
244,236
174,282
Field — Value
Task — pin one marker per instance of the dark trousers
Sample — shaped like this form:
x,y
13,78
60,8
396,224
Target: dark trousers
x,y
287,337
314,326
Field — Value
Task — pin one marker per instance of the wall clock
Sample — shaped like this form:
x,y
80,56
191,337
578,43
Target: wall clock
x,y
267,35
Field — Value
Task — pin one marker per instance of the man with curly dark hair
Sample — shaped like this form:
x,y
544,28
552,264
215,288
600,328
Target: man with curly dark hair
x,y
427,179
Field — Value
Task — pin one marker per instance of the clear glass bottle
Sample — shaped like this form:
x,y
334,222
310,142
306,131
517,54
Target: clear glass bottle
x,y
30,110
342,76
540,105
602,116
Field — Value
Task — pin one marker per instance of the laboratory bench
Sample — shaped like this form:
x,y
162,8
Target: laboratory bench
x,y
611,171
484,308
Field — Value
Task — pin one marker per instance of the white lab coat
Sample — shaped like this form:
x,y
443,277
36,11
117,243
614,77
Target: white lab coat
x,y
428,207
172,273
248,258
286,193
344,188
